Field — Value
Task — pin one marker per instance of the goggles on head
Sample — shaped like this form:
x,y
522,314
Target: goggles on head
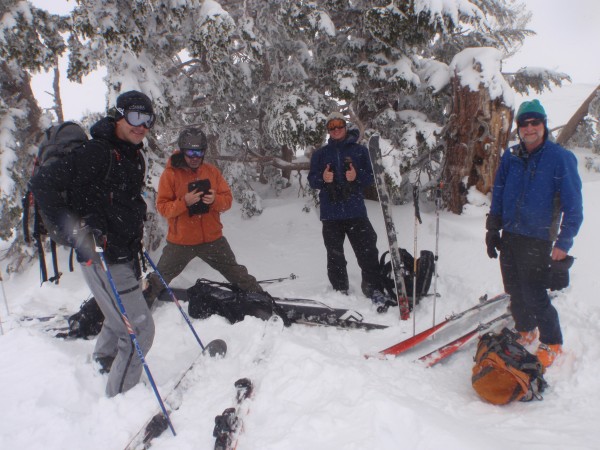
x,y
193,153
138,118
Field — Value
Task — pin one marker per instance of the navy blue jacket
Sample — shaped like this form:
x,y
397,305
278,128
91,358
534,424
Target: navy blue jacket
x,y
343,200
532,190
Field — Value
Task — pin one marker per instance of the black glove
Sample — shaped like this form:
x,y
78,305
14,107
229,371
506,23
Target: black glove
x,y
493,241
493,224
558,277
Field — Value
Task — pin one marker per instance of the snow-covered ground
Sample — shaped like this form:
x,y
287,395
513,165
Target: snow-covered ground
x,y
314,388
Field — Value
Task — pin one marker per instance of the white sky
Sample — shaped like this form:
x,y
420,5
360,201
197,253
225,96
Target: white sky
x,y
567,40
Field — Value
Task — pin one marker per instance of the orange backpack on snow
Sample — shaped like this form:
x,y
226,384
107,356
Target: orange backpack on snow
x,y
505,371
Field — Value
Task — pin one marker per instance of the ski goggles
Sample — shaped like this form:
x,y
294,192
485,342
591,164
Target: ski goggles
x,y
336,124
138,118
193,153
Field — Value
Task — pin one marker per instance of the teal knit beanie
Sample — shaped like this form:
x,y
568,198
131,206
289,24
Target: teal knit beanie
x,y
531,110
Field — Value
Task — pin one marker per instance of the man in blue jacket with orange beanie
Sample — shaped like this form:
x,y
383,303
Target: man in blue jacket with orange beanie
x,y
538,205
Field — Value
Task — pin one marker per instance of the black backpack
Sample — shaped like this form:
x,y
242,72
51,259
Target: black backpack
x,y
425,269
58,141
87,322
224,299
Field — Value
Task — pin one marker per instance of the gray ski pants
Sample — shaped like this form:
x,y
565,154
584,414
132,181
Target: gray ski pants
x,y
114,340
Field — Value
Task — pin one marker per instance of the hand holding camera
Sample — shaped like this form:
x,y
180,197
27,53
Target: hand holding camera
x,y
199,197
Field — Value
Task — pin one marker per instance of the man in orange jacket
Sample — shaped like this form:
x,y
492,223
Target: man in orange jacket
x,y
192,194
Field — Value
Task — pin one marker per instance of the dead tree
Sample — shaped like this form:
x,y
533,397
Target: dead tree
x,y
477,132
569,129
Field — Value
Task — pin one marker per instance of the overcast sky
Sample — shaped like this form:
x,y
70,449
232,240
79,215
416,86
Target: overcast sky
x,y
567,40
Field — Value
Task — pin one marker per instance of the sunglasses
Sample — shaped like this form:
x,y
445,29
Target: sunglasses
x,y
532,122
138,118
193,153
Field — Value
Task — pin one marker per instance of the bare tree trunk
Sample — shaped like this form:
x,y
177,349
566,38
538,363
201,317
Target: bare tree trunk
x,y
477,132
287,154
58,109
569,129
15,91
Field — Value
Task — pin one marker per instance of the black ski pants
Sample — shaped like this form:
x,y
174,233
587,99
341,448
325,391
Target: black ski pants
x,y
363,240
524,263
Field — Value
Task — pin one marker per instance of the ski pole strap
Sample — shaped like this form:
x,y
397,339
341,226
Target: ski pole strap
x,y
55,279
416,202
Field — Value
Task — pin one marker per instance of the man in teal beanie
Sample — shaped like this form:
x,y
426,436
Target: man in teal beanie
x,y
537,203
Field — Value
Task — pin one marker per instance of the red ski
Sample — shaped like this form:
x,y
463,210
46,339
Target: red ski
x,y
411,342
449,349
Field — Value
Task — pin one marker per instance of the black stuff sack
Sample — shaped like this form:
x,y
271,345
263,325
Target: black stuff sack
x,y
208,297
85,323
558,276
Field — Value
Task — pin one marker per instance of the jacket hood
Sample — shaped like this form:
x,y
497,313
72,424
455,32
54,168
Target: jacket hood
x,y
352,135
104,129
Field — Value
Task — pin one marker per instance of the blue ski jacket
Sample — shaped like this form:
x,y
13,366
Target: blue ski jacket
x,y
532,191
341,199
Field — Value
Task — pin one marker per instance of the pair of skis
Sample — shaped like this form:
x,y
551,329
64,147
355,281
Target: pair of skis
x,y
229,424
450,348
158,423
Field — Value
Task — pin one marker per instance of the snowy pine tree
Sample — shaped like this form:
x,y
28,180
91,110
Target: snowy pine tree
x,y
260,76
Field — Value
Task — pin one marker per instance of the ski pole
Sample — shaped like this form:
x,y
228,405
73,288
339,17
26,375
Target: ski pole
x,y
417,221
132,335
438,206
173,297
291,276
5,303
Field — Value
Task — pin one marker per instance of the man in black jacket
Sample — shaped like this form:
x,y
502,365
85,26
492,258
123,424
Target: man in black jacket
x,y
103,180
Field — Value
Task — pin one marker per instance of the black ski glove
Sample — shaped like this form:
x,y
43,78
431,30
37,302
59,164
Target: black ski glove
x,y
493,241
492,237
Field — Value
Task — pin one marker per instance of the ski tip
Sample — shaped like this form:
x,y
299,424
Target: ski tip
x,y
377,355
217,347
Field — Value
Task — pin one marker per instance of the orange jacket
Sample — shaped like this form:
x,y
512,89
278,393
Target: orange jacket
x,y
173,185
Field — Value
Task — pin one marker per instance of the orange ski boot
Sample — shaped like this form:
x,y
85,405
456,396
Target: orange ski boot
x,y
528,337
547,354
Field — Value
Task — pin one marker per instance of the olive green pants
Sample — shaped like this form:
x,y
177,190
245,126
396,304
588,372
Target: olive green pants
x,y
216,254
